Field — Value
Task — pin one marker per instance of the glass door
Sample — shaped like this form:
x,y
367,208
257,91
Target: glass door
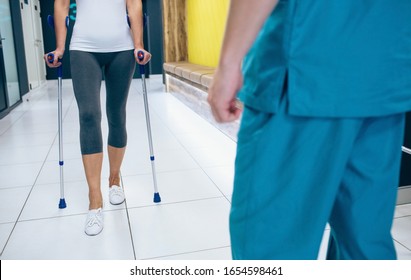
x,y
9,53
3,89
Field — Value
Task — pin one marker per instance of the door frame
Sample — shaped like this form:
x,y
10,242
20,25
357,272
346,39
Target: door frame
x,y
3,83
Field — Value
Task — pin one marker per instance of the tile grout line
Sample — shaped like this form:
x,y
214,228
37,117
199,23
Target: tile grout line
x,y
191,252
24,112
62,216
128,220
402,245
178,202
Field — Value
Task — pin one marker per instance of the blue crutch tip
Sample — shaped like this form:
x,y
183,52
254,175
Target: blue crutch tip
x,y
62,203
157,198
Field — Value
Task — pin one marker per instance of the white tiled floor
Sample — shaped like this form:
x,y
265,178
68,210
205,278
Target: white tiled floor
x,y
194,164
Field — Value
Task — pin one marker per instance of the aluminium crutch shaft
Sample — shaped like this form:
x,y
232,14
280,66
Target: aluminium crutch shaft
x,y
140,56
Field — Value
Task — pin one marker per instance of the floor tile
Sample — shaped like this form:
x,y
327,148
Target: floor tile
x,y
162,139
402,252
22,155
213,156
11,140
12,175
72,169
34,117
20,128
223,177
401,231
5,230
64,239
173,187
44,200
70,136
4,127
7,121
172,229
177,116
206,138
212,254
70,151
403,210
70,126
166,161
11,203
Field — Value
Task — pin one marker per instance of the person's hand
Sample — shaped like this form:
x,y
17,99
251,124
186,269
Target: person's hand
x,y
58,55
147,56
222,94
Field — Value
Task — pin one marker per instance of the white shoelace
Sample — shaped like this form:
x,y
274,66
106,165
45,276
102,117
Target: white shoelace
x,y
94,218
116,191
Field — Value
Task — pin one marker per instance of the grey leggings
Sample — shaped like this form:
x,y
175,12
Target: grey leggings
x,y
87,70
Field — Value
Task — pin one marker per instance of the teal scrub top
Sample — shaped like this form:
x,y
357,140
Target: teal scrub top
x,y
336,58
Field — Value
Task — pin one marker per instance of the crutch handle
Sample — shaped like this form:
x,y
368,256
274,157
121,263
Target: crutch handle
x,y
50,58
140,57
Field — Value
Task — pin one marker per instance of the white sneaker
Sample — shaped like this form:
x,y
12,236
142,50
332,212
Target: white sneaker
x,y
94,222
116,195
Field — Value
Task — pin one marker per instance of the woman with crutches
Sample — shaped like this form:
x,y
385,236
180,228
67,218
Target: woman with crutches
x,y
102,44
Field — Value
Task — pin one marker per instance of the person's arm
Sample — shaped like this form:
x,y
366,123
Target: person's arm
x,y
245,19
61,10
135,14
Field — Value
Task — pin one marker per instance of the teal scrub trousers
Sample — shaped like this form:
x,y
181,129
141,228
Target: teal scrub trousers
x,y
295,174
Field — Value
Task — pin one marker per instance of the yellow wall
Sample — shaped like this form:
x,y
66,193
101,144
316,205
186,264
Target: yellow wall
x,y
205,30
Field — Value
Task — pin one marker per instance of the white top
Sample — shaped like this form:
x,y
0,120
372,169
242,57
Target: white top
x,y
101,26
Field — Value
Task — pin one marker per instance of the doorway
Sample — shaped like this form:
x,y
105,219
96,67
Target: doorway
x,y
33,41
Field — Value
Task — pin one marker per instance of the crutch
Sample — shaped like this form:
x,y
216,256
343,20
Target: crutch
x,y
140,56
406,150
50,58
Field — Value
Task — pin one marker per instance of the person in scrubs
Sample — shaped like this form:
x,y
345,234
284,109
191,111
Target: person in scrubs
x,y
325,86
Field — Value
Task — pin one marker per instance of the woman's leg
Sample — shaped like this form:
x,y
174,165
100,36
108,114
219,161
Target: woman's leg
x,y
118,75
115,156
86,76
92,166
